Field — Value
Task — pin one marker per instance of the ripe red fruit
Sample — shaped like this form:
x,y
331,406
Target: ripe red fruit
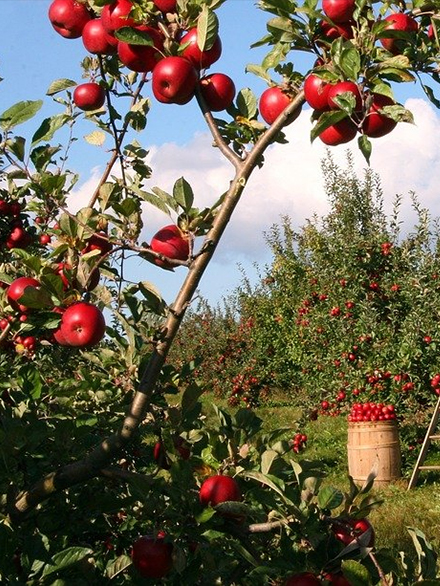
x,y
340,88
200,59
337,579
398,22
165,5
339,133
354,528
338,10
30,342
273,102
115,16
303,579
174,80
142,58
152,557
82,325
89,96
45,239
16,290
18,238
375,124
5,208
218,489
218,91
332,32
98,241
68,17
172,243
316,92
97,40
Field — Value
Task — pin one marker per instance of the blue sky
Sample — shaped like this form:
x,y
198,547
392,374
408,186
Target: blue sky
x,y
33,55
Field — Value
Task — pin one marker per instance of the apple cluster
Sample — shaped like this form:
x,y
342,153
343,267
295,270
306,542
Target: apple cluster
x,y
13,231
435,383
152,556
82,324
369,114
361,412
172,55
299,442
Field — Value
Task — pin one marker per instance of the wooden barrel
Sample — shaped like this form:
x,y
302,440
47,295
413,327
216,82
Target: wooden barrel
x,y
374,443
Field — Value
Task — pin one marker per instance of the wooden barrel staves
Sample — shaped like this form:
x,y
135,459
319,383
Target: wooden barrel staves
x,y
374,444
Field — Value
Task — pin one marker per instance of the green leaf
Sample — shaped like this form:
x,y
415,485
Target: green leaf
x,y
48,127
258,70
426,555
325,120
60,85
270,481
205,515
183,194
207,29
350,61
96,138
17,147
35,298
190,397
267,460
66,558
134,36
119,565
19,113
330,498
356,573
247,103
365,147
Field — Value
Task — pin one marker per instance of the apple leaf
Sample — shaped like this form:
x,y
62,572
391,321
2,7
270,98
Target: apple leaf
x,y
258,70
96,138
247,103
66,558
60,85
365,147
267,459
430,94
132,36
207,29
277,54
48,128
356,573
350,61
17,147
35,298
183,194
19,113
426,555
119,565
41,156
325,120
330,498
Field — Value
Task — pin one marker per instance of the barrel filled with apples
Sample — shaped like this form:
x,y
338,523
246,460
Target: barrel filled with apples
x,y
373,443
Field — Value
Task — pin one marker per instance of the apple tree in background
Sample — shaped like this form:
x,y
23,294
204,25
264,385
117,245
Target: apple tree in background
x,y
102,478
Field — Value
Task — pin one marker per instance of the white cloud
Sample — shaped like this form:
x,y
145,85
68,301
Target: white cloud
x,y
290,182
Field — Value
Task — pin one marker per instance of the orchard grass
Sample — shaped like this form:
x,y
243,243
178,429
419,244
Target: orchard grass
x,y
327,441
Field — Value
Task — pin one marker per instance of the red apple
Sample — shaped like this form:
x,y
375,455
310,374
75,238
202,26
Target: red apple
x,y
316,92
82,325
5,208
174,80
218,91
398,22
16,290
115,16
376,124
152,557
98,241
303,579
68,17
165,5
273,102
172,243
142,58
332,32
89,96
200,59
97,40
18,238
343,87
218,489
337,579
339,133
355,528
338,10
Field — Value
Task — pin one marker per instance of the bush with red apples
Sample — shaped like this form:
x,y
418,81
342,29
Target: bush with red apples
x,y
89,381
